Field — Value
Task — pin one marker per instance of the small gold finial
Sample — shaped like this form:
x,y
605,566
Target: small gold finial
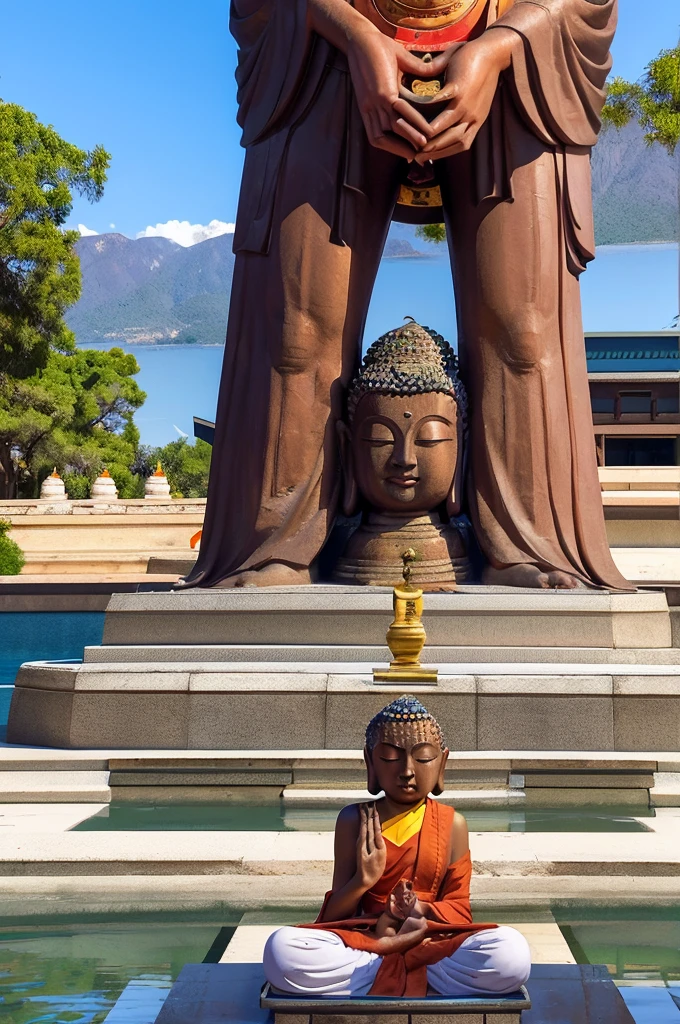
x,y
159,469
406,636
407,557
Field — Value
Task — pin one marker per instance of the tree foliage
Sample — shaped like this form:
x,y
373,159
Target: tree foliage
x,y
39,270
431,233
75,414
654,101
12,558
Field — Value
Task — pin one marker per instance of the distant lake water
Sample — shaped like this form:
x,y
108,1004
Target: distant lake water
x,y
627,288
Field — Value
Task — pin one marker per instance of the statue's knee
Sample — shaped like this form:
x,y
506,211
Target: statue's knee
x,y
512,957
523,343
277,946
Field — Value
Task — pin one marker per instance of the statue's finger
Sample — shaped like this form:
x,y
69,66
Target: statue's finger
x,y
392,144
408,132
445,140
447,119
402,108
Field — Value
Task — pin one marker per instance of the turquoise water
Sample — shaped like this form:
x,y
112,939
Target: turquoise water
x,y
627,288
42,636
181,817
115,971
641,948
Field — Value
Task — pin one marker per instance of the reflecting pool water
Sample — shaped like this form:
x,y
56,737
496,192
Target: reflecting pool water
x,y
42,636
641,948
219,817
118,972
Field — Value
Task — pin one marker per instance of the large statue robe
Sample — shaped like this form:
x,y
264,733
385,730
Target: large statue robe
x,y
315,207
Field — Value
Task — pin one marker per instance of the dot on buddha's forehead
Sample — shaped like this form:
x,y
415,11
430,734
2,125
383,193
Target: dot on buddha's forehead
x,y
408,415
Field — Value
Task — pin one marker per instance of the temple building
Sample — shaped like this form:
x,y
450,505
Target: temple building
x,y
634,383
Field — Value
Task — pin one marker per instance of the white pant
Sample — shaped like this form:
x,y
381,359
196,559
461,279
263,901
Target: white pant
x,y
304,961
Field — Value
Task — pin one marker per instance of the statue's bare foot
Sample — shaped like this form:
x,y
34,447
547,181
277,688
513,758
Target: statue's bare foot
x,y
275,574
527,575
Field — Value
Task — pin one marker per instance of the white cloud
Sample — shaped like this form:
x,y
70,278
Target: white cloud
x,y
86,232
186,234
112,225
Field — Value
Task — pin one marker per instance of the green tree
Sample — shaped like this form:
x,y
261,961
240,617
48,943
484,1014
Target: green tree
x,y
75,414
431,233
187,466
654,102
39,269
12,558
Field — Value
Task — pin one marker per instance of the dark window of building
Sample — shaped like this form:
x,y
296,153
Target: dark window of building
x,y
639,451
603,405
667,405
636,402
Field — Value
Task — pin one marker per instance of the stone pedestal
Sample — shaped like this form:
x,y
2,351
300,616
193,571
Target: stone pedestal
x,y
291,668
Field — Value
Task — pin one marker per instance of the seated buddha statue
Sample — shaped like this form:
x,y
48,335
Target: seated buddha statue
x,y
397,920
402,450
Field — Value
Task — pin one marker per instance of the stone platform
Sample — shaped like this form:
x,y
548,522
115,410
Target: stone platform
x,y
291,668
559,993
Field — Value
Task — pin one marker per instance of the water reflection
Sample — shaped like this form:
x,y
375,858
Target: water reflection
x,y
116,972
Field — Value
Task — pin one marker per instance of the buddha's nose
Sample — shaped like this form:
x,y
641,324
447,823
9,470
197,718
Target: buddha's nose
x,y
404,455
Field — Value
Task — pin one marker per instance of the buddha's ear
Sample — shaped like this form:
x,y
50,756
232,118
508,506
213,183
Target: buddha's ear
x,y
350,491
441,782
372,784
454,502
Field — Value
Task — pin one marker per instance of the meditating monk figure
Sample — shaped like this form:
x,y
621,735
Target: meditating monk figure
x,y
397,920
335,100
402,451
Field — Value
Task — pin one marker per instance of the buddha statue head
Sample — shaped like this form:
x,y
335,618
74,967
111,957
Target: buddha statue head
x,y
402,449
402,445
405,753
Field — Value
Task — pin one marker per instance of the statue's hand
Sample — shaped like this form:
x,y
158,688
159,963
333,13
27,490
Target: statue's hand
x,y
371,849
472,73
377,65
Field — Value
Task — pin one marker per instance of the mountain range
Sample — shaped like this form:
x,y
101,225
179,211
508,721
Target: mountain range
x,y
152,290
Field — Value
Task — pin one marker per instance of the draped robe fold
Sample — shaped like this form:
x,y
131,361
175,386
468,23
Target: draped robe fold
x,y
444,887
314,210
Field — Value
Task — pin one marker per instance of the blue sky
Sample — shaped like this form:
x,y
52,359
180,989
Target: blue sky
x,y
153,82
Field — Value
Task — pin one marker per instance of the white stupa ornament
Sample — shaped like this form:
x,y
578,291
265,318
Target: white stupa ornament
x,y
104,487
53,487
157,485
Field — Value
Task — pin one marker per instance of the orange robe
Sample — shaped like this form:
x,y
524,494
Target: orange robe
x,y
446,888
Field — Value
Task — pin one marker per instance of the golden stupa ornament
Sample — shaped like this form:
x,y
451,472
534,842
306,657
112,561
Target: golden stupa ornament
x,y
406,636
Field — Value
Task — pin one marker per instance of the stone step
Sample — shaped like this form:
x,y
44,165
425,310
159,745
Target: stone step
x,y
336,615
25,787
285,657
290,855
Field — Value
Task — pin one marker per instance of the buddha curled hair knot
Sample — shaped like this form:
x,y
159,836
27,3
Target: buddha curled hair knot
x,y
404,713
410,360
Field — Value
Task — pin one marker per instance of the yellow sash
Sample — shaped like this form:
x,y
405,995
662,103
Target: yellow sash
x,y
400,829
